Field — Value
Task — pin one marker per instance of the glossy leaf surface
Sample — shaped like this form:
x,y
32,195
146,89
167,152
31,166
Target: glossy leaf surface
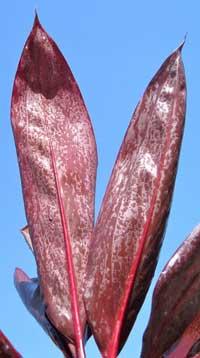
x,y
57,158
132,219
6,348
174,326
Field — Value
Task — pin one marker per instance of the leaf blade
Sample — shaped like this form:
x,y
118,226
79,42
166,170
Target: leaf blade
x,y
29,291
30,294
57,158
142,179
174,325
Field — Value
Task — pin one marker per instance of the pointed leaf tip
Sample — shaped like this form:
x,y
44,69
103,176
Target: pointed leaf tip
x,y
132,220
57,156
185,37
36,20
182,43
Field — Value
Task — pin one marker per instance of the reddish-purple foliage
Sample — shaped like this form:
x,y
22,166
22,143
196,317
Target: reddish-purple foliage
x,y
100,276
57,158
132,220
6,348
174,326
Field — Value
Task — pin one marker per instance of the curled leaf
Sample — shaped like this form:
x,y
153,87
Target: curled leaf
x,y
132,219
174,326
25,232
30,293
6,348
57,157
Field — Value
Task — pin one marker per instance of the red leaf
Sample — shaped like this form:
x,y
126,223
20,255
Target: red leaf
x,y
57,158
131,223
6,348
174,325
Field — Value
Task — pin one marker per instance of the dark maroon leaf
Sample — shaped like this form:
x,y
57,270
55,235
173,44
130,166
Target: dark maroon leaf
x,y
57,158
174,326
131,223
6,348
188,345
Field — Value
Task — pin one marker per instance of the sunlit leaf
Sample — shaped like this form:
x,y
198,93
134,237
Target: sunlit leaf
x,y
132,219
57,158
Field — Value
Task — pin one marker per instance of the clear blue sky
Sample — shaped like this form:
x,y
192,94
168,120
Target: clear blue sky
x,y
113,47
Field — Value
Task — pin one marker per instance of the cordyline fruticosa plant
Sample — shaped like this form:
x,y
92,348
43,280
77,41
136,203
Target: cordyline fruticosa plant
x,y
93,279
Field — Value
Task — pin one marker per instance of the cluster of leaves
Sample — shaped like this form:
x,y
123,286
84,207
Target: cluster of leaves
x,y
93,278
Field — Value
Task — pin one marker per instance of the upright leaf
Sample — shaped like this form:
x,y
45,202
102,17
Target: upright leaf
x,y
132,219
173,330
57,158
6,348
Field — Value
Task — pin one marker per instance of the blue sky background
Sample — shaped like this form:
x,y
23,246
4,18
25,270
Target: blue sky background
x,y
113,48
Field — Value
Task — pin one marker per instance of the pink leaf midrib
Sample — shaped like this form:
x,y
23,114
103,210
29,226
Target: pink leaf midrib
x,y
113,349
69,261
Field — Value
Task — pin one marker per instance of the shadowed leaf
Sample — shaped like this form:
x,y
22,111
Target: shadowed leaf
x,y
30,294
195,350
174,326
132,219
